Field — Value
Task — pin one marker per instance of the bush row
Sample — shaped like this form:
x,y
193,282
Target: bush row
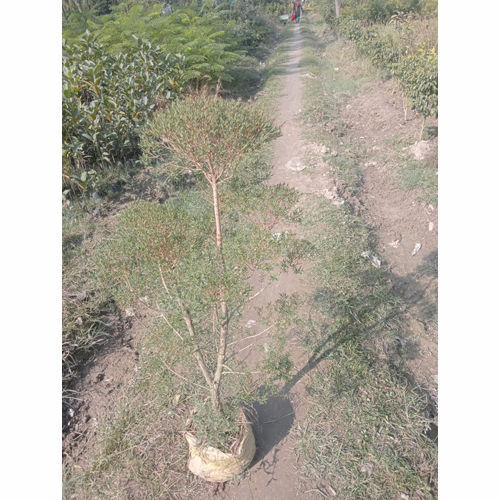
x,y
379,11
106,99
416,72
211,37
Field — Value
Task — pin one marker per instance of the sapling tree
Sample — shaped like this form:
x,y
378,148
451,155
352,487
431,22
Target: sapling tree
x,y
211,136
185,265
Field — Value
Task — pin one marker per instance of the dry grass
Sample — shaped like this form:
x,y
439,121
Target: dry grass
x,y
140,450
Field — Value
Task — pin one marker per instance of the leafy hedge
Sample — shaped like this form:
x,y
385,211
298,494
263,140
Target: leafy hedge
x,y
379,11
107,98
212,37
418,75
417,72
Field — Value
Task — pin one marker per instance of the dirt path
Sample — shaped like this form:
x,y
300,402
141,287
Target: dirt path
x,y
394,215
274,473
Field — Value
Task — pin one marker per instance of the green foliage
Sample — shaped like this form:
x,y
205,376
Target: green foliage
x,y
414,174
418,75
378,11
211,38
151,240
277,8
106,100
417,72
158,255
415,66
429,7
207,133
119,67
205,41
220,430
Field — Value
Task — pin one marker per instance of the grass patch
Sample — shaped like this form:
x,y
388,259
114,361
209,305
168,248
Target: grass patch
x,y
365,433
369,429
89,311
413,174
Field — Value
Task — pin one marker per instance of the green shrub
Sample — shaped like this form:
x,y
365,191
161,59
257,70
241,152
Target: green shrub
x,y
378,11
106,100
416,72
205,41
418,75
166,256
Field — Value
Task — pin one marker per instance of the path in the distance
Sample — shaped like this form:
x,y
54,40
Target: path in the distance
x,y
274,474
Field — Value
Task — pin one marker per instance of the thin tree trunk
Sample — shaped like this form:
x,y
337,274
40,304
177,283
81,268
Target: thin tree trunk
x,y
337,8
422,129
197,354
221,354
221,351
218,228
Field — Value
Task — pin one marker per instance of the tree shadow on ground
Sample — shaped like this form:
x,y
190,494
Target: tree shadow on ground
x,y
419,289
377,323
275,418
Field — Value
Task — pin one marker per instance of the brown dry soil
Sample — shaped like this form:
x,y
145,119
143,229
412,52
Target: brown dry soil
x,y
399,218
395,215
94,394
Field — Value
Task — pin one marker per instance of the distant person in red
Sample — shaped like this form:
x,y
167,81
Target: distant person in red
x,y
297,10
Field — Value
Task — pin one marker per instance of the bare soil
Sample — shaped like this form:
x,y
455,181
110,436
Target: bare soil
x,y
399,218
94,396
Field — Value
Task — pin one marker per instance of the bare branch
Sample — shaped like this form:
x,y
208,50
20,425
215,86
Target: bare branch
x,y
180,376
197,353
171,326
252,336
258,293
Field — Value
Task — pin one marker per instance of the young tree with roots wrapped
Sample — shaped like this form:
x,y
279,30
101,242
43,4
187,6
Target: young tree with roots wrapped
x,y
189,259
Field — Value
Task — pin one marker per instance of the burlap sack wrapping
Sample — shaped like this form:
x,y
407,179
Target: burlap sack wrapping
x,y
214,465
